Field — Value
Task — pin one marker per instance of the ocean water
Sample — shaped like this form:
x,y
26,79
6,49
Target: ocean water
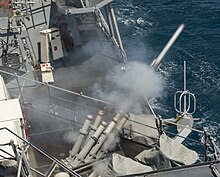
x,y
146,26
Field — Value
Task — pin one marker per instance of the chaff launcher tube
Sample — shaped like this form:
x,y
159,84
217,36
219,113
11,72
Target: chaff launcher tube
x,y
95,124
113,134
83,132
119,115
105,134
83,153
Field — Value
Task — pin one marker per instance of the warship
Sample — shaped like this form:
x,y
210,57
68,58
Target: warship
x,y
68,100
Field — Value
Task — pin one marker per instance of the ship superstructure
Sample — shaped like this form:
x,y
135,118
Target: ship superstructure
x,y
64,34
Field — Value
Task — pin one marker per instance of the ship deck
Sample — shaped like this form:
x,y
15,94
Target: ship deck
x,y
54,114
56,111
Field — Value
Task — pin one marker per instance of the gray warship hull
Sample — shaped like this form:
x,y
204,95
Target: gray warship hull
x,y
81,41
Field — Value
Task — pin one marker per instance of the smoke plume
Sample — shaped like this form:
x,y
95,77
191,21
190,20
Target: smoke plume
x,y
127,87
103,169
70,137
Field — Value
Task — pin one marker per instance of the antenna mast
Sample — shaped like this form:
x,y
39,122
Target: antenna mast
x,y
184,87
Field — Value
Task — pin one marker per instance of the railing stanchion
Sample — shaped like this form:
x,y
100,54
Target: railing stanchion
x,y
51,99
83,102
19,88
205,146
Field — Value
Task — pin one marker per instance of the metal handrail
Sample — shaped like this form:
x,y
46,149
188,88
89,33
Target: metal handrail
x,y
145,174
193,129
106,30
44,153
58,88
100,101
190,139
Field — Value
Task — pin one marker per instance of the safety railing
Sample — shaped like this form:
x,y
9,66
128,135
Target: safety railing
x,y
54,100
73,106
23,158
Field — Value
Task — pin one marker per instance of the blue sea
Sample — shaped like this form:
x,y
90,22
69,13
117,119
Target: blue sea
x,y
147,25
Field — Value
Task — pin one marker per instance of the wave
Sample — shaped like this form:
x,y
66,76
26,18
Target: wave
x,y
147,26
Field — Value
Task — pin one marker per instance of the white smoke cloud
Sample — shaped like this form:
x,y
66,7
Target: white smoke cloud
x,y
128,87
102,169
70,137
